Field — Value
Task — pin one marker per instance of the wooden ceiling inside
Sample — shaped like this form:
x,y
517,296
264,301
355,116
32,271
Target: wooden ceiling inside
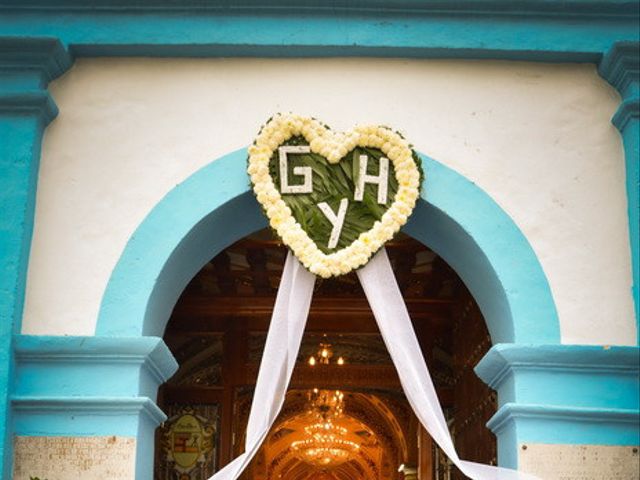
x,y
242,281
233,296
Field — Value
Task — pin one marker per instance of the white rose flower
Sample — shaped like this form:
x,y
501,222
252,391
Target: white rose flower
x,y
394,153
405,208
360,258
414,182
383,133
334,269
252,169
316,144
387,232
406,164
256,150
322,271
365,140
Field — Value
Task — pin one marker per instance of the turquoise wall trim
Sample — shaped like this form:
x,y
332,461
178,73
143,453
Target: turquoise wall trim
x,y
550,30
621,67
563,394
132,366
516,425
54,397
26,66
457,219
82,417
560,8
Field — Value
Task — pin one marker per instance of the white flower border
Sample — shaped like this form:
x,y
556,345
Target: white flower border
x,y
333,146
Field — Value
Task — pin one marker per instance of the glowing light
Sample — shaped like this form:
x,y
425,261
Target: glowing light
x,y
325,444
324,354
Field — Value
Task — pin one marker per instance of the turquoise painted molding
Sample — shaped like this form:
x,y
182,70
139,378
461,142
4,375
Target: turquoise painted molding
x,y
31,62
37,104
417,7
82,417
626,114
193,222
563,394
620,66
549,30
568,425
56,395
26,66
518,424
50,366
519,374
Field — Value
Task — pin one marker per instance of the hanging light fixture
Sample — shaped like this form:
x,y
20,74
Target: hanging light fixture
x,y
325,444
324,354
326,449
325,405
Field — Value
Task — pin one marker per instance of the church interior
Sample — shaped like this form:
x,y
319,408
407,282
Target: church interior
x,y
345,416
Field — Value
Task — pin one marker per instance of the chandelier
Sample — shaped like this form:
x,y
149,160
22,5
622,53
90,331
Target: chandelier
x,y
324,354
325,444
325,405
325,450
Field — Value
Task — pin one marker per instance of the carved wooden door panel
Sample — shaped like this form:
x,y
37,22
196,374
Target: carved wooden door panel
x,y
475,403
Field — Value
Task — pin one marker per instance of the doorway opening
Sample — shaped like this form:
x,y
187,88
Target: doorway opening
x,y
345,415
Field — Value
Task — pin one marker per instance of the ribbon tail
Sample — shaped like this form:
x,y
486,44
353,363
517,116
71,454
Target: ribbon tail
x,y
384,296
288,320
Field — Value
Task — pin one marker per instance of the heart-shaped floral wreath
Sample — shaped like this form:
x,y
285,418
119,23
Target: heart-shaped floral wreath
x,y
317,190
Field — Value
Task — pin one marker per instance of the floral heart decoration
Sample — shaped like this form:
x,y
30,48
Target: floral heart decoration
x,y
333,198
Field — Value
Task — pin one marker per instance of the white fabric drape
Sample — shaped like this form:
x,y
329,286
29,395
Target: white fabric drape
x,y
283,343
280,353
384,296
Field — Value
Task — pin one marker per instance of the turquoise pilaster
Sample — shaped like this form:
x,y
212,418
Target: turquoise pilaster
x,y
26,67
562,394
621,67
54,397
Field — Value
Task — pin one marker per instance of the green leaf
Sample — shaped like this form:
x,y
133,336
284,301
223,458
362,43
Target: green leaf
x,y
331,183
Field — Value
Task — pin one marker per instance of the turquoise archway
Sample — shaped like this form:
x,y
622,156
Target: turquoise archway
x,y
214,207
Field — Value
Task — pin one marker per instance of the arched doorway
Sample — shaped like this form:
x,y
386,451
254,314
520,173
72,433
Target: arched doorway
x,y
454,217
460,222
217,333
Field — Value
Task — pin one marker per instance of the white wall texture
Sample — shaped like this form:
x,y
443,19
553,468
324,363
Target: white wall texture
x,y
535,137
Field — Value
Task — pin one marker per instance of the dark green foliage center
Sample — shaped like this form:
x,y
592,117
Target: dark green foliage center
x,y
332,183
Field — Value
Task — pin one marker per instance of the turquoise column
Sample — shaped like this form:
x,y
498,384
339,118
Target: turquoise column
x,y
26,67
620,67
54,394
562,394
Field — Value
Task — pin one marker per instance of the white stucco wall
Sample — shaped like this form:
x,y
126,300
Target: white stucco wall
x,y
535,137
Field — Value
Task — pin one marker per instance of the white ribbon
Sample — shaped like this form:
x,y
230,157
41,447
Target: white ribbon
x,y
283,343
280,353
382,291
